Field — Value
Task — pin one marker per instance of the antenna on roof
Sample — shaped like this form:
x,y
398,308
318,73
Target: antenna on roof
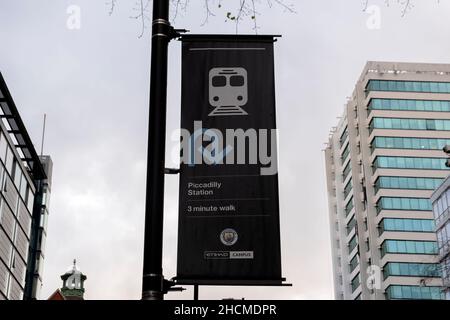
x,y
43,135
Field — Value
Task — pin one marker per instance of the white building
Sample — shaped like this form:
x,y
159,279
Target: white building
x,y
441,209
383,161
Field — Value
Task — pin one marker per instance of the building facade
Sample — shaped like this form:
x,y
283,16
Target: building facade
x,y
441,209
23,180
383,161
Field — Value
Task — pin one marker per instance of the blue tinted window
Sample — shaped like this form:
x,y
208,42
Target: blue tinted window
x,y
411,86
409,247
355,282
408,225
410,183
351,224
343,137
352,244
393,203
345,153
409,124
414,292
348,188
410,163
346,171
409,143
411,269
409,105
354,263
349,206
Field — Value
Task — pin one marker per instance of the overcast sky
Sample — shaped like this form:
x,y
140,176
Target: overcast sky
x,y
93,84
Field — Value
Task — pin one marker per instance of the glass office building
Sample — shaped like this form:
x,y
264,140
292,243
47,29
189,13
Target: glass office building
x,y
24,187
383,161
441,210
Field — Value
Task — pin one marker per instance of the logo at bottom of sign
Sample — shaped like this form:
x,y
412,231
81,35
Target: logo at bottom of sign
x,y
226,255
229,237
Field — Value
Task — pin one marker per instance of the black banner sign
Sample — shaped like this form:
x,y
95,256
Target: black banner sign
x,y
229,209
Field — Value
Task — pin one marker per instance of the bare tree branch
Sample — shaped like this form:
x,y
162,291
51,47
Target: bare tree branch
x,y
142,15
207,11
178,5
112,5
365,5
405,5
240,13
246,9
255,23
289,8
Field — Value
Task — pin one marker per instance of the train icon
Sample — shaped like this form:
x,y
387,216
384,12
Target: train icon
x,y
228,91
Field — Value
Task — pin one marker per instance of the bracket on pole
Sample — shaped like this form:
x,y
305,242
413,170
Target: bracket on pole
x,y
176,33
169,286
171,171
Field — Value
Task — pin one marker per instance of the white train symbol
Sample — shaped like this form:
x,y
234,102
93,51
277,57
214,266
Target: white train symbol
x,y
228,91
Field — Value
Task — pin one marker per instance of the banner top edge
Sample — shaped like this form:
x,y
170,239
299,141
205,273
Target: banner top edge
x,y
228,37
281,282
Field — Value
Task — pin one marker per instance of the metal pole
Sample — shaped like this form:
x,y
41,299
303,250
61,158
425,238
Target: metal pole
x,y
196,292
153,279
43,135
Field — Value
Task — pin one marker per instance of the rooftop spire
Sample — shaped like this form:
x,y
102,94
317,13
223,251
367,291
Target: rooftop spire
x,y
73,283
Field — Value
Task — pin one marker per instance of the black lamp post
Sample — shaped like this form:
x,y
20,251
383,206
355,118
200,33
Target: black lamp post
x,y
153,284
